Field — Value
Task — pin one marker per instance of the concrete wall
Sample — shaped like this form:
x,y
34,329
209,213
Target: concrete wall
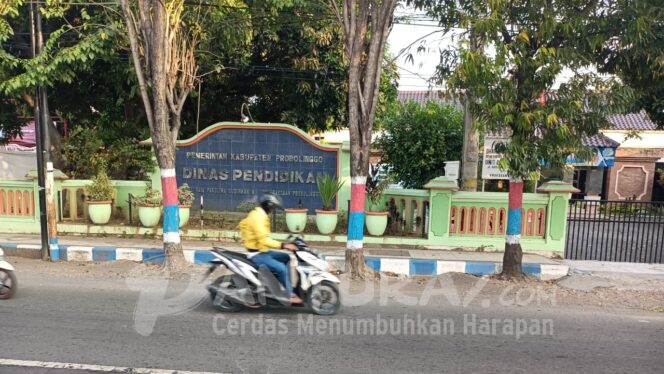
x,y
15,165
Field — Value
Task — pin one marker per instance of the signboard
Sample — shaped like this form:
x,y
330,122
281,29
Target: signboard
x,y
231,165
490,169
602,157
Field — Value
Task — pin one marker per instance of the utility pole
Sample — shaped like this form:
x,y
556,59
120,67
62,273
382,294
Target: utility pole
x,y
45,178
39,137
471,139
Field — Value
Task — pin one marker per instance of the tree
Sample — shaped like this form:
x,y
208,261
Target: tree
x,y
471,140
418,140
163,44
532,42
71,46
366,25
629,42
286,63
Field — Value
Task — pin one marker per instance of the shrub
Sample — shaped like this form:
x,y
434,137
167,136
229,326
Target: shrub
x,y
419,139
185,196
129,160
80,149
124,158
101,188
328,188
375,189
150,199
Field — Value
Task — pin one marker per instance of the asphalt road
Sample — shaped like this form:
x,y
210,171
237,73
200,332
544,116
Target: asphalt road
x,y
110,321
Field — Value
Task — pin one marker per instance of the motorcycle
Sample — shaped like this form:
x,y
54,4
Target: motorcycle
x,y
252,286
8,282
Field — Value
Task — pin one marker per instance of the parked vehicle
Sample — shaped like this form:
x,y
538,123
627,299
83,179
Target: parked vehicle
x,y
254,287
8,282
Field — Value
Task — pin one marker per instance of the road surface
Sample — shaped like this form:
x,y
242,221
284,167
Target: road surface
x,y
107,316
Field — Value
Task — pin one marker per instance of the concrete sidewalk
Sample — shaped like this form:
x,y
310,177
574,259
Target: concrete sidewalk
x,y
399,261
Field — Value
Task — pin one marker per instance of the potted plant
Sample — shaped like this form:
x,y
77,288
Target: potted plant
x,y
376,218
296,218
326,218
186,198
99,195
149,207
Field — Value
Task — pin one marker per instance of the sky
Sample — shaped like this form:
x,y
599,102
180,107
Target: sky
x,y
415,75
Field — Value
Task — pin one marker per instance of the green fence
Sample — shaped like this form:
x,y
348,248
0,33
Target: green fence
x,y
19,202
474,219
439,215
19,206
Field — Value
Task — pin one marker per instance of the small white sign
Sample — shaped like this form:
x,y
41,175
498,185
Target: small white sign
x,y
490,169
452,170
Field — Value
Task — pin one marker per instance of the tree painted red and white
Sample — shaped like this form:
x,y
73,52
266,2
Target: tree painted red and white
x,y
366,26
163,55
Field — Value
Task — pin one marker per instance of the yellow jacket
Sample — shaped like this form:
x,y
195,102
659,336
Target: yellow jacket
x,y
255,231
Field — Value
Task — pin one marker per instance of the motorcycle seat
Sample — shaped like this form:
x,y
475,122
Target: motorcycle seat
x,y
240,256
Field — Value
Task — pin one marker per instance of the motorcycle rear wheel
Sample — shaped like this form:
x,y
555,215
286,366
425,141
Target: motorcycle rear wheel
x,y
223,305
8,284
323,299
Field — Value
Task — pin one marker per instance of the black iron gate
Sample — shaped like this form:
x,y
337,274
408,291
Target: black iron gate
x,y
620,231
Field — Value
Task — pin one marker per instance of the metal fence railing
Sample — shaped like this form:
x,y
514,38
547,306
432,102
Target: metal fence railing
x,y
619,231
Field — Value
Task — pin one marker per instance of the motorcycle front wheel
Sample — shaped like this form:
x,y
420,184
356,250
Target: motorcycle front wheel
x,y
324,298
8,284
222,304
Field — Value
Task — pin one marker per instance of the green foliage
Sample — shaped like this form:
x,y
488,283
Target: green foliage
x,y
418,140
185,195
124,158
151,198
285,60
81,148
375,189
328,188
75,39
101,188
533,41
629,42
129,160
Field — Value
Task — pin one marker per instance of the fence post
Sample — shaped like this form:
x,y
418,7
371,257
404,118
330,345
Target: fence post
x,y
556,212
440,201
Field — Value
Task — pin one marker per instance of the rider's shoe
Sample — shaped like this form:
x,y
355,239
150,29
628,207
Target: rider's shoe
x,y
294,299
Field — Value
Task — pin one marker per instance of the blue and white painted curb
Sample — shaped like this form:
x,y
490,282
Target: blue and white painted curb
x,y
421,267
405,266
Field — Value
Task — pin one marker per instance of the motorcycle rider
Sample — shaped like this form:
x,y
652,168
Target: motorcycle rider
x,y
256,237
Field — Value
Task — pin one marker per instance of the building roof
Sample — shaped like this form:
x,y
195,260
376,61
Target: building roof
x,y
595,141
600,141
422,97
631,121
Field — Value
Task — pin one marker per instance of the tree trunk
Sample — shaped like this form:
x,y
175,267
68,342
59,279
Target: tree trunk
x,y
513,253
164,144
366,25
354,247
471,139
470,152
358,171
174,257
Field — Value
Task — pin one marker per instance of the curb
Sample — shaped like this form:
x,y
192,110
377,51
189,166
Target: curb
x,y
404,266
421,267
583,266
